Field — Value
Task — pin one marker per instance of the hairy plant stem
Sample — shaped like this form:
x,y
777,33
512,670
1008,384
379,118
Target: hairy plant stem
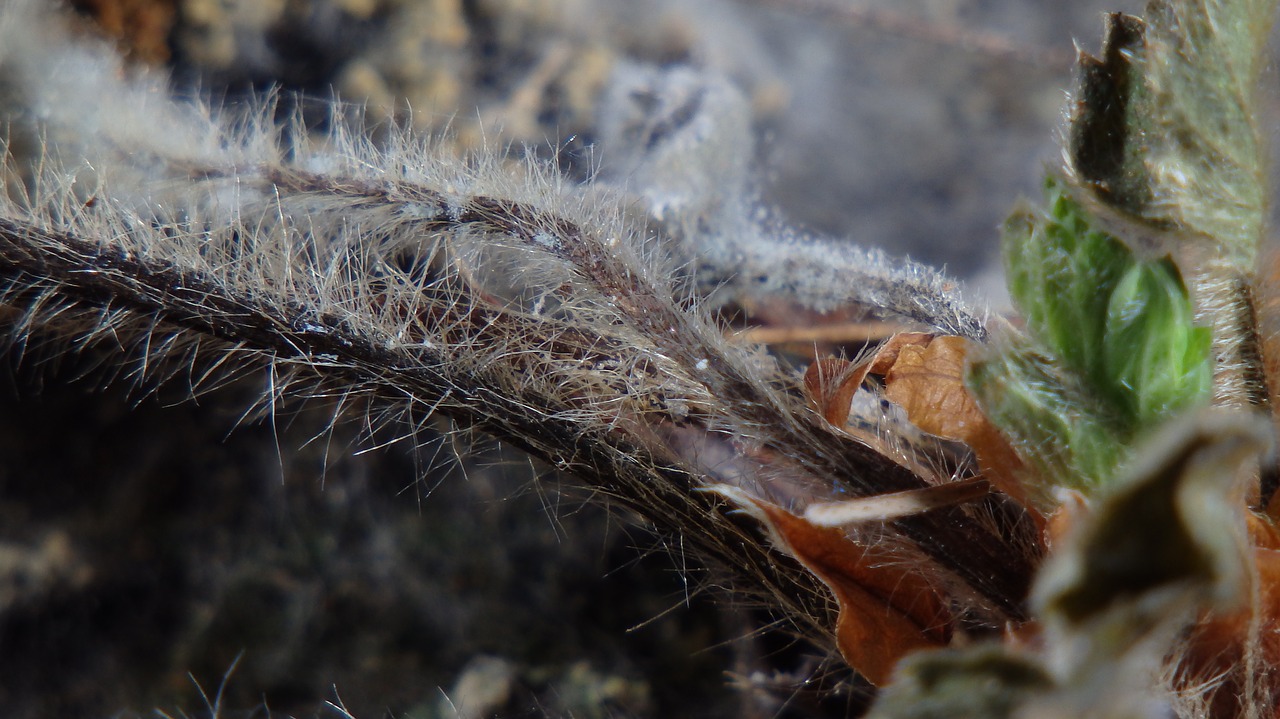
x,y
61,275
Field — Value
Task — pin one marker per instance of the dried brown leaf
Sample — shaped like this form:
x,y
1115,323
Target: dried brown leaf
x,y
830,383
886,609
928,383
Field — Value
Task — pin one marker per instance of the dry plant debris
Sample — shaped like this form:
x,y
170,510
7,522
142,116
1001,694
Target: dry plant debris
x,y
981,520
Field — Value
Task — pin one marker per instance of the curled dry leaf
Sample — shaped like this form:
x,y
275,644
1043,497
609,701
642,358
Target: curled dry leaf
x,y
886,609
924,374
831,382
928,382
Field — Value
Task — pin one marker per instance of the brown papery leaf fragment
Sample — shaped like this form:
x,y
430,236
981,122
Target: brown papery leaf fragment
x,y
928,383
886,609
830,383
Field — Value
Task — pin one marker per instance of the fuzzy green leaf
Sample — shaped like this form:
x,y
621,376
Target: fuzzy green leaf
x,y
1154,360
1051,419
1058,271
1123,326
1113,348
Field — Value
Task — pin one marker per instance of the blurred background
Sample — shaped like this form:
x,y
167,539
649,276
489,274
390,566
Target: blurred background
x,y
152,546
